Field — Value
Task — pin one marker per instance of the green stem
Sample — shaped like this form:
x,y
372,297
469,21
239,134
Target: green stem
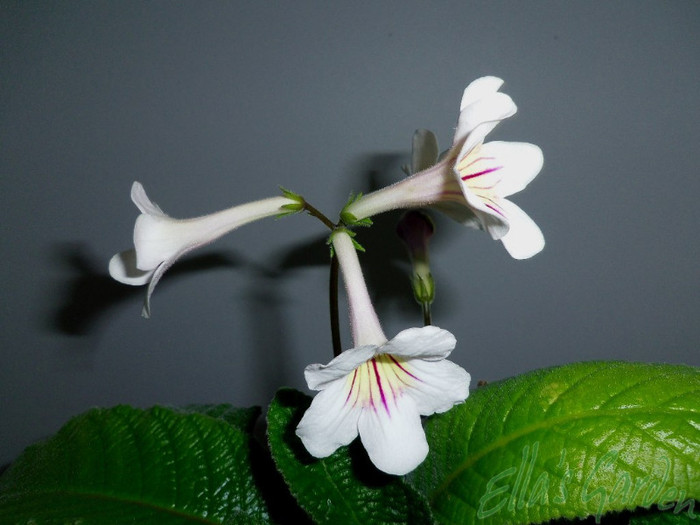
x,y
320,216
427,315
333,283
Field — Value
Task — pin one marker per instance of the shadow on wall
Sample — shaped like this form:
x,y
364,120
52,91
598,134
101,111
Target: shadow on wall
x,y
90,292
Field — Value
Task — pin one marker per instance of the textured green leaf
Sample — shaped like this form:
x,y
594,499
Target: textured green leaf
x,y
344,488
565,442
241,418
125,465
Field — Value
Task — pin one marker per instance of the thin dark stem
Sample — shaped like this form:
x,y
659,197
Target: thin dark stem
x,y
427,316
320,216
333,283
333,301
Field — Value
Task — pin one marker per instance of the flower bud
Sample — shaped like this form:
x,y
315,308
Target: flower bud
x,y
415,229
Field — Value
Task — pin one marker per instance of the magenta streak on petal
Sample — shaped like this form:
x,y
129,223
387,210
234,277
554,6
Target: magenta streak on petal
x,y
369,386
496,210
480,173
379,384
402,368
352,386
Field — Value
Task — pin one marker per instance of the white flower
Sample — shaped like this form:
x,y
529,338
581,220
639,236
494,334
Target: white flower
x,y
473,180
160,240
379,389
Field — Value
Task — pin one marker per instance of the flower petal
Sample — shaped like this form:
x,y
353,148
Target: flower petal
x,y
427,342
157,274
518,163
479,88
440,385
425,150
122,268
478,119
524,238
318,376
458,212
394,439
330,422
143,203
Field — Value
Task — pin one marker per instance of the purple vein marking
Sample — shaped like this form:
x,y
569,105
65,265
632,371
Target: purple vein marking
x,y
402,368
496,210
369,386
480,173
379,384
352,386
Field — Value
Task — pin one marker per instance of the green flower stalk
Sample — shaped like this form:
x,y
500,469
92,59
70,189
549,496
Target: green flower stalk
x,y
415,229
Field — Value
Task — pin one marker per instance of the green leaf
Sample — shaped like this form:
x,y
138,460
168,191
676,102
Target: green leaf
x,y
241,418
566,442
125,465
344,487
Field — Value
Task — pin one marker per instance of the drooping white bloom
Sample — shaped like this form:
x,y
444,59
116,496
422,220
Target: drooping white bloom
x,y
159,240
380,388
473,180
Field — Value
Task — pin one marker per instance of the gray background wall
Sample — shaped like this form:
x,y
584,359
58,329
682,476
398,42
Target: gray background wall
x,y
211,104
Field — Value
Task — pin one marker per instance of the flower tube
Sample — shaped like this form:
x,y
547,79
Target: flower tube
x,y
160,240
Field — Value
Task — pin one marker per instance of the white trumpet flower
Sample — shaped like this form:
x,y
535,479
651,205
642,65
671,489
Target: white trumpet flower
x,y
160,240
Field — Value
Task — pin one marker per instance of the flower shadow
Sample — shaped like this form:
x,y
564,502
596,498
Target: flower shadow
x,y
89,293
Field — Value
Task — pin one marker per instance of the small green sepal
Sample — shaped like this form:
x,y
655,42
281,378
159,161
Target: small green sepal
x,y
291,195
297,206
352,235
423,288
348,218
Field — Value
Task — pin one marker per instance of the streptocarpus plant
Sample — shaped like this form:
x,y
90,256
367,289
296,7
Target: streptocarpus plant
x,y
582,440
